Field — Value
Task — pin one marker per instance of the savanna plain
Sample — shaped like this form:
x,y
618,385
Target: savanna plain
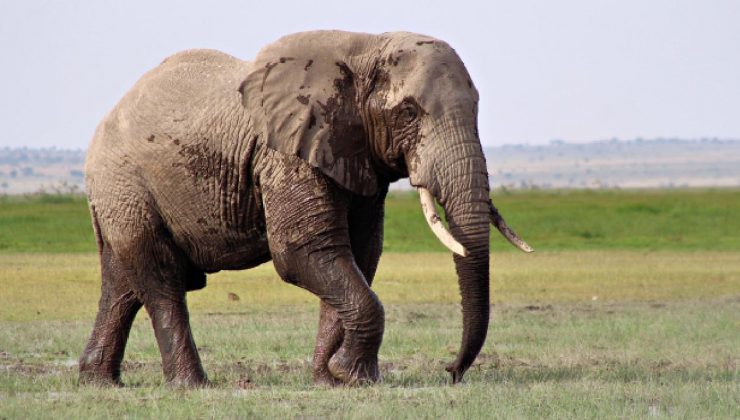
x,y
627,309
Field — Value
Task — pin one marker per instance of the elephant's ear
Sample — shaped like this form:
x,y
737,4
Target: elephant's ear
x,y
306,105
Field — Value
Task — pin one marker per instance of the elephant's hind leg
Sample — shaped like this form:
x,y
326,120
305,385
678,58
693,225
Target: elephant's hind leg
x,y
328,340
180,360
165,274
101,360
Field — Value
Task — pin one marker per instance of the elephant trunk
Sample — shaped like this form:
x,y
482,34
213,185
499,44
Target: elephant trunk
x,y
455,174
468,221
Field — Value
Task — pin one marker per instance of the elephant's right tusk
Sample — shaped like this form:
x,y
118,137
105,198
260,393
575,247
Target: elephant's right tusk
x,y
498,221
435,223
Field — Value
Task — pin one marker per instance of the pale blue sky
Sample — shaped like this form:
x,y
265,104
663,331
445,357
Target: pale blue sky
x,y
577,70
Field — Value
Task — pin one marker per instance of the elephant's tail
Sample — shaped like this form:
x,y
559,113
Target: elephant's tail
x,y
96,229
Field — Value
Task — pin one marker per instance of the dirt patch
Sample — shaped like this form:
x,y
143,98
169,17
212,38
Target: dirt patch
x,y
22,368
537,308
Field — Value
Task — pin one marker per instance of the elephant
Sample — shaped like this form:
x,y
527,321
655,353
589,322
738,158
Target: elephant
x,y
213,163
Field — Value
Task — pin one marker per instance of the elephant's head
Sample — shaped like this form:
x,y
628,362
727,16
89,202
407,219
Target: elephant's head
x,y
369,109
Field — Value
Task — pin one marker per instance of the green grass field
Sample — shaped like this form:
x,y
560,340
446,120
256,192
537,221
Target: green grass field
x,y
629,308
550,221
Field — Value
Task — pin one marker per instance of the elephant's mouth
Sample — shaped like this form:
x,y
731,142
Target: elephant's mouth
x,y
399,165
391,170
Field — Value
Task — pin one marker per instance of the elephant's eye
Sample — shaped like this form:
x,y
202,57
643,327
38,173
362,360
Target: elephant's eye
x,y
408,112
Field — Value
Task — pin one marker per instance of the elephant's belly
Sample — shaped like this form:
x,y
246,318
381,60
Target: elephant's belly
x,y
219,229
225,249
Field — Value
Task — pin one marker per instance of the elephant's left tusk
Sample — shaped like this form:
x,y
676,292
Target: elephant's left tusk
x,y
510,235
435,223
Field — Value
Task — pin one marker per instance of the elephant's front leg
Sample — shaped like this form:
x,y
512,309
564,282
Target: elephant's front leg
x,y
334,277
366,235
309,240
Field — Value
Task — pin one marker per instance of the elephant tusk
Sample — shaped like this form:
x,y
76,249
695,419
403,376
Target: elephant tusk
x,y
435,223
498,221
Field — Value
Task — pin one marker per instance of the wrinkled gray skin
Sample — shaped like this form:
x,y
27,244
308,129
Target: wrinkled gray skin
x,y
212,163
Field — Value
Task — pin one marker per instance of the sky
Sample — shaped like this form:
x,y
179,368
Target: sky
x,y
573,70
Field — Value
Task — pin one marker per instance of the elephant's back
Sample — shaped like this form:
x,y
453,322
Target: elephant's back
x,y
170,107
201,56
184,88
176,98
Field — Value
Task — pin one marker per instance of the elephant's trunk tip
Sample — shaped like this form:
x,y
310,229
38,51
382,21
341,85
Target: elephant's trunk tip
x,y
498,221
457,374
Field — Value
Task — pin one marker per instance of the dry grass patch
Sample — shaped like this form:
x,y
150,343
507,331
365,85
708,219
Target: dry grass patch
x,y
66,286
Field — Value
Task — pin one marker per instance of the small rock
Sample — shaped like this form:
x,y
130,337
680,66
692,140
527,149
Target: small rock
x,y
244,383
233,297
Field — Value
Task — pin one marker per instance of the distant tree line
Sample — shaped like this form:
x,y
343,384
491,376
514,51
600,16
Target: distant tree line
x,y
44,156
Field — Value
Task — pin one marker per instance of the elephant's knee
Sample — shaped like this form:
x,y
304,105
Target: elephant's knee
x,y
365,316
333,275
285,267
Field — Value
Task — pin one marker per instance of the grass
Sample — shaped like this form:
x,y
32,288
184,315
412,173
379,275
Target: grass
x,y
573,334
548,220
42,281
587,220
628,310
565,360
45,223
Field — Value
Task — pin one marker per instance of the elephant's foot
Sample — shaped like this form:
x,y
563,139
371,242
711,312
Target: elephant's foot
x,y
352,370
186,375
89,375
100,380
98,370
325,379
321,374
